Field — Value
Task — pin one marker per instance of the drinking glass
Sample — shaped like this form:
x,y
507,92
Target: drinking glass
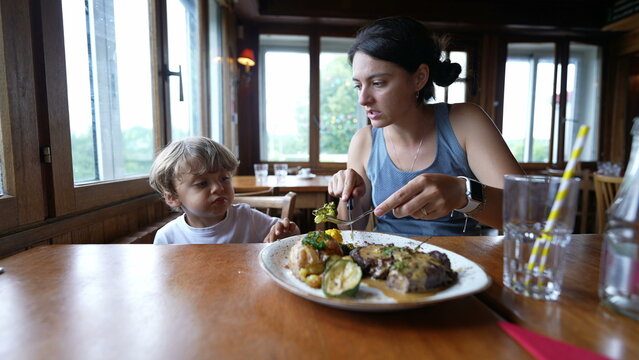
x,y
281,170
534,245
261,172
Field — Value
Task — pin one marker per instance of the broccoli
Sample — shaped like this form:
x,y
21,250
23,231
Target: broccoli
x,y
324,211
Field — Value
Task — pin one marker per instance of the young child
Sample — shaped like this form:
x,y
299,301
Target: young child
x,y
194,175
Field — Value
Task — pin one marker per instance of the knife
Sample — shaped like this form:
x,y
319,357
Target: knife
x,y
349,206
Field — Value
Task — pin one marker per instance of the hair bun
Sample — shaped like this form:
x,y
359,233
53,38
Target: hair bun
x,y
446,73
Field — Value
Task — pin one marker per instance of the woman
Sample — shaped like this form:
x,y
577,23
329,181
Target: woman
x,y
407,163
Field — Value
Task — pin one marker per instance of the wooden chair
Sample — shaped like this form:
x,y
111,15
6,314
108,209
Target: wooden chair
x,y
285,204
586,189
606,188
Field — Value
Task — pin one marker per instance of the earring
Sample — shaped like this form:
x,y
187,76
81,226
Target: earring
x,y
417,95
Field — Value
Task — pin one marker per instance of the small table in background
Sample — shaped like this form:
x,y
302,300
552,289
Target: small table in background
x,y
312,193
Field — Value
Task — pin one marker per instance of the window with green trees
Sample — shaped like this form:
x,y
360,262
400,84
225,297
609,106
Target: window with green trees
x,y
285,98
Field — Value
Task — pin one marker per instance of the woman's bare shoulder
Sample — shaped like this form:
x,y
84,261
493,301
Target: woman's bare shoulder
x,y
360,147
362,136
470,119
465,111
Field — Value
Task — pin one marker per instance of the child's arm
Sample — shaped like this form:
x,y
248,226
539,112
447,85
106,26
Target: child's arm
x,y
282,229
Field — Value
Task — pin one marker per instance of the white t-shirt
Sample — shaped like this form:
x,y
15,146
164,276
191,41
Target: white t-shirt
x,y
241,225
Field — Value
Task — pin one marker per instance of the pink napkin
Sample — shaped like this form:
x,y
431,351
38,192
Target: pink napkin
x,y
545,348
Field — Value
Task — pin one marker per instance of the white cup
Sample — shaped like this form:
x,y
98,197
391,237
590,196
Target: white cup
x,y
304,172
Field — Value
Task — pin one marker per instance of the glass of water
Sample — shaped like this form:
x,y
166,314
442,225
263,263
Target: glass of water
x,y
281,170
534,249
261,172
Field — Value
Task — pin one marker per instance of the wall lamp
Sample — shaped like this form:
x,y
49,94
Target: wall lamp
x,y
246,58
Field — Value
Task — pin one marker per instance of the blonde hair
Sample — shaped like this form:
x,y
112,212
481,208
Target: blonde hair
x,y
195,155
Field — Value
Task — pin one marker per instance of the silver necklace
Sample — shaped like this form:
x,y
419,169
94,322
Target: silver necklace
x,y
416,154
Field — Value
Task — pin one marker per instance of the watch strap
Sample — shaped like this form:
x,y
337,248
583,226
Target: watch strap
x,y
475,198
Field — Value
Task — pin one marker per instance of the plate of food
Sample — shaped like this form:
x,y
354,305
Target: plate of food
x,y
370,271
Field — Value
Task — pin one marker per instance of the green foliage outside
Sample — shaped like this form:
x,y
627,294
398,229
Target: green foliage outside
x,y
540,150
82,150
137,154
138,151
338,105
292,147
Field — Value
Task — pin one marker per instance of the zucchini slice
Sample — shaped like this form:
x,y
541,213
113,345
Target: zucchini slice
x,y
342,278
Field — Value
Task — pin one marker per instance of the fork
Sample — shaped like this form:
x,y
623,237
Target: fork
x,y
348,222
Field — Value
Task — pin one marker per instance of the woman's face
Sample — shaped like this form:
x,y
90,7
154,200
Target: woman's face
x,y
385,90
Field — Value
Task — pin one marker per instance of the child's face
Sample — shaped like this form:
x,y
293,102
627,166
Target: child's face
x,y
203,198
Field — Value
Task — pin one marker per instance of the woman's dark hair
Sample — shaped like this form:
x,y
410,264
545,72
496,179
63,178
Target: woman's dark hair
x,y
407,43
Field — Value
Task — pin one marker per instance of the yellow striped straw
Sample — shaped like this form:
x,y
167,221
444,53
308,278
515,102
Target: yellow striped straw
x,y
557,205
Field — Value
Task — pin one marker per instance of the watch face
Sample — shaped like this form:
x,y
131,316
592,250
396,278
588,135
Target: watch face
x,y
476,190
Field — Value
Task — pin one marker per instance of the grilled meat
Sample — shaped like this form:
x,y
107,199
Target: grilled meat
x,y
375,260
405,269
419,272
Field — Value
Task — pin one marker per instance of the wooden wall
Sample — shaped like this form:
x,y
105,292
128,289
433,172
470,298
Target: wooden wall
x,y
133,221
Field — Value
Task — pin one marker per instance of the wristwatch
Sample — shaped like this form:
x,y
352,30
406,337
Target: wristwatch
x,y
475,195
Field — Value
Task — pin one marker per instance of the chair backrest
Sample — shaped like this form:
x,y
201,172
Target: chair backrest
x,y
284,203
586,188
606,188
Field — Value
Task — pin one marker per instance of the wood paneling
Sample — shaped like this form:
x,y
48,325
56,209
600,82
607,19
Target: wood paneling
x,y
96,227
562,14
628,43
626,24
19,115
91,196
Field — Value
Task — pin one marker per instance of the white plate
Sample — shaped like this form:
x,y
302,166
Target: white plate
x,y
472,278
309,176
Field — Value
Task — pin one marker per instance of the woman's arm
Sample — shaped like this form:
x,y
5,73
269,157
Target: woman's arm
x,y
488,156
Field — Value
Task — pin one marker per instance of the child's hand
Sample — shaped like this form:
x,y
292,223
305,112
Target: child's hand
x,y
282,229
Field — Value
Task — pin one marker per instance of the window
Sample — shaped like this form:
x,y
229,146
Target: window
x,y
108,61
284,105
108,46
216,122
288,120
583,93
91,78
528,100
533,122
183,67
340,114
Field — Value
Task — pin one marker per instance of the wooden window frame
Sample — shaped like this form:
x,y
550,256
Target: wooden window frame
x,y
19,117
34,116
561,58
70,198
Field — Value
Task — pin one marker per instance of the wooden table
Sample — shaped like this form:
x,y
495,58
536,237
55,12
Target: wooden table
x,y
211,302
214,301
312,193
577,317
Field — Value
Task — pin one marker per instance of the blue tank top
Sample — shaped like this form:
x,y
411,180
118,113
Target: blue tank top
x,y
386,178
